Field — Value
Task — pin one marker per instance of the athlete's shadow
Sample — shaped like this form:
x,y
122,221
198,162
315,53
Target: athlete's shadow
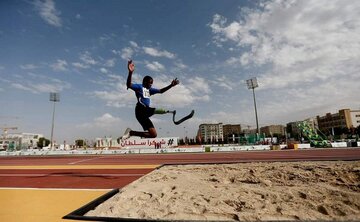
x,y
76,174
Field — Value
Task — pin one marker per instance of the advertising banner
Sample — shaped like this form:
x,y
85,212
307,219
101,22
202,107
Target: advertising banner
x,y
154,143
135,142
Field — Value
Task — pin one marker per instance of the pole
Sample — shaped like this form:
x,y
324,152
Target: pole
x,y
257,122
252,84
52,128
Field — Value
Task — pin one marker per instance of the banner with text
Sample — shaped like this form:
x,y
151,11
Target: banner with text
x,y
157,143
154,143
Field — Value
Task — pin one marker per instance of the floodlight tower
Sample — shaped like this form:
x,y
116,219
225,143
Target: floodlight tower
x,y
54,97
252,84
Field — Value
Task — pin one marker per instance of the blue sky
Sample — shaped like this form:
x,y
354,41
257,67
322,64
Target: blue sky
x,y
305,55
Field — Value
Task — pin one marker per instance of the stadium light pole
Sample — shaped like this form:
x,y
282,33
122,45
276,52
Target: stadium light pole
x,y
252,84
54,97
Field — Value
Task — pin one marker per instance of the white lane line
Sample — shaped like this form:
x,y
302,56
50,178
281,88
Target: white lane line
x,y
70,174
81,161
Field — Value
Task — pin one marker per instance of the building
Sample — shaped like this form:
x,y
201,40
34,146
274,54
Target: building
x,y
249,131
17,141
231,131
355,118
343,119
211,132
313,123
292,130
273,130
30,140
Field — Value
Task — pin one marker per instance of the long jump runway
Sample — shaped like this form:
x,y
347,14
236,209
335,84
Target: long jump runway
x,y
116,171
61,184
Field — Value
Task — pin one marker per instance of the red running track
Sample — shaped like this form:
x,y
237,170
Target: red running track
x,y
117,178
71,179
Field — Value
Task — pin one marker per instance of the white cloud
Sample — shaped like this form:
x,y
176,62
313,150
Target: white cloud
x,y
80,65
134,44
103,70
224,82
127,53
105,38
114,98
22,87
157,53
303,41
110,126
95,129
118,95
199,85
87,59
305,54
28,66
154,66
116,52
186,93
307,101
105,121
180,65
60,65
52,85
110,63
48,12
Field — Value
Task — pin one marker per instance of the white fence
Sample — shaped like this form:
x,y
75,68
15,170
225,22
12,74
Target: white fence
x,y
205,148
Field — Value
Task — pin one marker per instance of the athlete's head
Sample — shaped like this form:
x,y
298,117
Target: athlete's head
x,y
147,82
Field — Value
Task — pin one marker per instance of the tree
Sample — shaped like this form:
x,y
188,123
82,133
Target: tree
x,y
43,142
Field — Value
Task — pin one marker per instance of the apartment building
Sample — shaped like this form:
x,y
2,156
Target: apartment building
x,y
231,131
211,132
355,118
273,130
344,118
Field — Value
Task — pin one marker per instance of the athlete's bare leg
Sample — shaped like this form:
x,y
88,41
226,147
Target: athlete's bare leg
x,y
147,134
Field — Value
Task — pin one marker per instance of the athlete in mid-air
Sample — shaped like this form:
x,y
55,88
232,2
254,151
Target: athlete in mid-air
x,y
143,111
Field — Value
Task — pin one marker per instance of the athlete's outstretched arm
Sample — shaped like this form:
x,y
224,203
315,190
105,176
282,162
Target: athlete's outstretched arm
x,y
172,84
131,68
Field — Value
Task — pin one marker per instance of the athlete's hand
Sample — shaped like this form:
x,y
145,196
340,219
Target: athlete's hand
x,y
131,66
175,82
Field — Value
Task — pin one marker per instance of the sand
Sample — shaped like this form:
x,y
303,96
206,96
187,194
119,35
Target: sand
x,y
322,190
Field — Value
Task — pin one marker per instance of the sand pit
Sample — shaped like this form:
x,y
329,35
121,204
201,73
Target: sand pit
x,y
321,190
